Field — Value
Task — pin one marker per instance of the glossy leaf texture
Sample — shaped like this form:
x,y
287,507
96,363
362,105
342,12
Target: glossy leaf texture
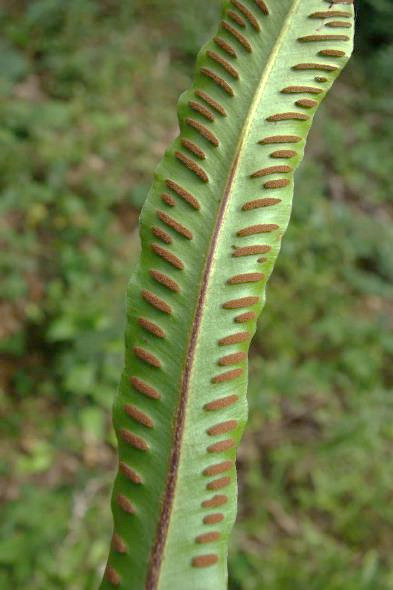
x,y
211,230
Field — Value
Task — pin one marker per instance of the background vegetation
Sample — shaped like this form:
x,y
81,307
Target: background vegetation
x,y
89,91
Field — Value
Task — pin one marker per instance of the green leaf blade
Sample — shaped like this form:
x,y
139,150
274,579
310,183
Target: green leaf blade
x,y
211,231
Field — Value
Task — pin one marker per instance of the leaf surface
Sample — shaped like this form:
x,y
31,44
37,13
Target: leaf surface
x,y
211,230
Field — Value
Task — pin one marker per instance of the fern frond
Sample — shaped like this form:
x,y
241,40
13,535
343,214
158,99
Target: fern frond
x,y
211,230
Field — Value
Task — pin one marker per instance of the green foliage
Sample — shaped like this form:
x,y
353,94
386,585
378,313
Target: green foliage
x,y
78,146
221,199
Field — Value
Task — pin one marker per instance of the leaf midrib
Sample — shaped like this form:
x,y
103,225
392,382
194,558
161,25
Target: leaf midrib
x,y
162,530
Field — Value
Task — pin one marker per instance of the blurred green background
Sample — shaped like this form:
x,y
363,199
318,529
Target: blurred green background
x,y
88,105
